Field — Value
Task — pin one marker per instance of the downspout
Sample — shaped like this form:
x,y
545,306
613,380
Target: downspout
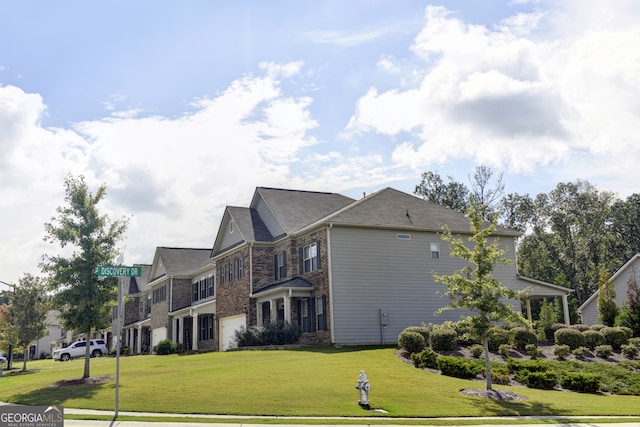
x,y
251,269
171,303
330,275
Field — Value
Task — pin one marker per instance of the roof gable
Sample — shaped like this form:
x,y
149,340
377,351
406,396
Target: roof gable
x,y
294,209
180,262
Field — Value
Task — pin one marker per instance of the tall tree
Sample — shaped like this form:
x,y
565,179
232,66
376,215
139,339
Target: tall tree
x,y
83,298
451,194
457,196
474,288
28,309
625,226
607,308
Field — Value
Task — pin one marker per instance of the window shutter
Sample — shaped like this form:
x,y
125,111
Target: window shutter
x,y
300,261
284,263
318,250
312,314
299,305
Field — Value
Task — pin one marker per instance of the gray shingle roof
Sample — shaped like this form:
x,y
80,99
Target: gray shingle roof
x,y
250,224
296,209
395,209
139,284
183,261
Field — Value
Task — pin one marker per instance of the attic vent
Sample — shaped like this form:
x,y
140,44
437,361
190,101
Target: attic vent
x,y
403,236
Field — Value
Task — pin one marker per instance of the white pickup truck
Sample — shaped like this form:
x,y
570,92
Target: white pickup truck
x,y
78,349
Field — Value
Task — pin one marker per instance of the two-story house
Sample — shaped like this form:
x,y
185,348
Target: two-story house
x,y
136,325
346,271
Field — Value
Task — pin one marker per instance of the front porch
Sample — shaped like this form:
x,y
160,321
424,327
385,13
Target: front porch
x,y
194,326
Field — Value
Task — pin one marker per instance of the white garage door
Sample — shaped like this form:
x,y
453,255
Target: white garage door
x,y
158,335
228,327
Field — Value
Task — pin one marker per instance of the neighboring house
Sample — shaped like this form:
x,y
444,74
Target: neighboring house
x,y
44,346
136,322
630,271
170,286
346,271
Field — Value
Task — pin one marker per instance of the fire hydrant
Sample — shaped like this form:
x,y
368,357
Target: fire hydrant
x,y
364,387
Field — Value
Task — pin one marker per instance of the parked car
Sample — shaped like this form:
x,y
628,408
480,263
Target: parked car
x,y
78,349
3,360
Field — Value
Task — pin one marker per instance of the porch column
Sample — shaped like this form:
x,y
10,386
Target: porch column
x,y
287,309
139,343
529,310
259,314
273,307
565,307
196,330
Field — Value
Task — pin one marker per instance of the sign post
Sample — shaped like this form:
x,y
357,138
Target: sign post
x,y
119,272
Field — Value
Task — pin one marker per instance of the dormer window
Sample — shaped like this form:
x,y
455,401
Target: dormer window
x,y
232,226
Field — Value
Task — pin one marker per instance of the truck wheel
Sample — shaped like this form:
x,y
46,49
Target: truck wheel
x,y
96,353
65,357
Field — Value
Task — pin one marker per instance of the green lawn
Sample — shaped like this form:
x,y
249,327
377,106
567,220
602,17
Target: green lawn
x,y
307,382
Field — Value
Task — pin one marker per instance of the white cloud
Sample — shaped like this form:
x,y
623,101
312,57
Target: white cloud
x,y
516,97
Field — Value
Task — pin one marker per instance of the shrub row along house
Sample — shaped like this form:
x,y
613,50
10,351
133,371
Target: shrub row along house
x,y
346,271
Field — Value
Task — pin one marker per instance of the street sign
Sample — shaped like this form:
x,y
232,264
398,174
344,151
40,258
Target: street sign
x,y
119,271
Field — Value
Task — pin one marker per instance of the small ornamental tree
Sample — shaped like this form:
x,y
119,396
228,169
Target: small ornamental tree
x,y
83,298
607,308
474,288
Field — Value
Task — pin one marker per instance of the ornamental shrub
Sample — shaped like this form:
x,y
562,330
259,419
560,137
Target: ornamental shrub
x,y
562,351
533,351
165,347
476,350
604,351
504,350
630,351
545,380
597,327
580,352
458,367
443,339
628,331
567,336
496,337
516,366
422,330
593,338
522,336
413,342
615,337
580,327
499,377
427,358
550,331
581,381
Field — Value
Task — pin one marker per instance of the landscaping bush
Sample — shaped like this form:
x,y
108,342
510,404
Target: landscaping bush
x,y
422,330
165,347
615,336
271,334
604,351
247,337
514,366
580,327
465,333
500,377
497,337
581,381
522,336
567,336
580,352
533,351
598,327
545,380
443,339
427,358
458,367
413,342
630,351
476,350
635,341
504,350
550,331
628,331
593,338
562,351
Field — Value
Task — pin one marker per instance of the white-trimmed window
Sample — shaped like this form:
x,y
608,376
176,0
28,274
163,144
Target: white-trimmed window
x,y
435,250
280,265
304,316
310,257
321,319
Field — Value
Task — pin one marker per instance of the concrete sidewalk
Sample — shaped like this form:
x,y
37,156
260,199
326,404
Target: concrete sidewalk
x,y
217,420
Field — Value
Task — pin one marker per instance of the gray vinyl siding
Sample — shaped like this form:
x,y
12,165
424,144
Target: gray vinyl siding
x,y
268,218
372,270
590,313
230,239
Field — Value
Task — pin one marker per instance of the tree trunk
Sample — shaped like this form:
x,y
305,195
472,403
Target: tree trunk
x,y
24,358
487,363
87,355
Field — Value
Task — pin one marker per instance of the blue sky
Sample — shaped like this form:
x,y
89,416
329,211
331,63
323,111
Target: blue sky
x,y
182,108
